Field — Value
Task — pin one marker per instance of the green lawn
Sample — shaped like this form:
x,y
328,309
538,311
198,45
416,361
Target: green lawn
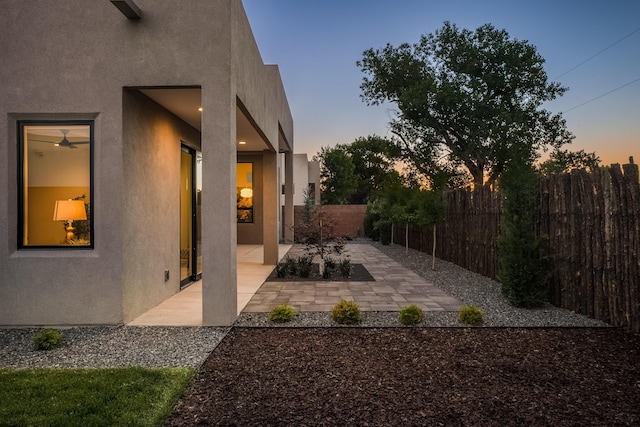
x,y
90,397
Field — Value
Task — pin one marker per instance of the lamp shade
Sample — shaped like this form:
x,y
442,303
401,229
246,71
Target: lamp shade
x,y
246,192
66,210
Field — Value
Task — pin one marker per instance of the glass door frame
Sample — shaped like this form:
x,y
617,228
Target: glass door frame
x,y
193,274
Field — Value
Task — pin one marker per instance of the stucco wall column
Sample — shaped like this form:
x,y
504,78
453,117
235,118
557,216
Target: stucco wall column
x,y
288,197
219,235
270,206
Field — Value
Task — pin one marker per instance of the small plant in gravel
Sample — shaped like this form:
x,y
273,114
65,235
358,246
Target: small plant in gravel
x,y
471,315
282,313
346,312
411,315
47,339
344,265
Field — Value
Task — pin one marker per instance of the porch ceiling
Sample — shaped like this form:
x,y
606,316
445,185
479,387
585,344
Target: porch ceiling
x,y
185,102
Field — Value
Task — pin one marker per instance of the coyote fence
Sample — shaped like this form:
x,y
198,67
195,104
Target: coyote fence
x,y
592,222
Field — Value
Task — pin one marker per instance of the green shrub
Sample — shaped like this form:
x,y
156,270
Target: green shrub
x,y
346,312
304,265
370,218
471,315
411,315
384,228
282,268
345,267
47,339
524,266
329,266
282,313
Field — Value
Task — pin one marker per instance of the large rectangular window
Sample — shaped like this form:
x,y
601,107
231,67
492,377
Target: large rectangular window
x,y
55,183
244,192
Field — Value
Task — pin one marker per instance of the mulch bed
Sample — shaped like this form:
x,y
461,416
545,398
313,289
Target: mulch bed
x,y
417,376
359,273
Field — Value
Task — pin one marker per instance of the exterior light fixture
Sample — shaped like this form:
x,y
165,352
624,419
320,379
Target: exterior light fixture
x,y
68,211
242,142
128,8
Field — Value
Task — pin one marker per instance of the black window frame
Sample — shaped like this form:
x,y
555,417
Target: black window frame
x,y
20,124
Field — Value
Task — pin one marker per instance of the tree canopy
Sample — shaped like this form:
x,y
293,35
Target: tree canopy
x,y
337,177
562,161
351,173
465,98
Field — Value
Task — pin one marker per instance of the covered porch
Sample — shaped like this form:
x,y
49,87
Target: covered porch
x,y
185,307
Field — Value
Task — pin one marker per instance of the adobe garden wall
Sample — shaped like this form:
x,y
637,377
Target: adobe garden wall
x,y
348,219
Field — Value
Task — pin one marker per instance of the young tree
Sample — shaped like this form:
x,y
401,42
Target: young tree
x,y
466,97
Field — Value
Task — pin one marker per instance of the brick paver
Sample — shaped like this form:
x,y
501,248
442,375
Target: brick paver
x,y
394,287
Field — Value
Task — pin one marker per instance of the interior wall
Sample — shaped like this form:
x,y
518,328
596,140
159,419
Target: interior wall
x,y
151,202
251,233
42,229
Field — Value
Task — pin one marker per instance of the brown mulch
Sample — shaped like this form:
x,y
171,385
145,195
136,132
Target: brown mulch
x,y
417,376
359,273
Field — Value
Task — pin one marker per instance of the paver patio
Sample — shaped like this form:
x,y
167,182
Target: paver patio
x,y
394,287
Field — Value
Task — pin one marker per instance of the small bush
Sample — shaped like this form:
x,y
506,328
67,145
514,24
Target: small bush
x,y
292,266
329,266
471,315
411,315
282,268
282,313
304,265
345,267
47,339
346,312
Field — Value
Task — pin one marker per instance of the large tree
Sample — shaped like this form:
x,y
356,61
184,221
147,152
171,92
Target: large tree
x,y
373,159
562,161
337,178
352,173
464,98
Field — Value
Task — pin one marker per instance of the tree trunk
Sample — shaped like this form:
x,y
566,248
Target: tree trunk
x,y
391,243
406,238
433,253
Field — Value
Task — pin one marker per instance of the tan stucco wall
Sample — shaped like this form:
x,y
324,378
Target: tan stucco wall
x,y
151,201
71,59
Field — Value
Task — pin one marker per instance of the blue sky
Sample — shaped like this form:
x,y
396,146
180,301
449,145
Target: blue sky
x,y
317,43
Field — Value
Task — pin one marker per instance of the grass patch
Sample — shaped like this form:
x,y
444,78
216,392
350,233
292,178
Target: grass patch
x,y
90,397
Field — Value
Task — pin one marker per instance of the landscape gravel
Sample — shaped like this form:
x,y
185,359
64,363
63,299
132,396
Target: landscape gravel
x,y
468,287
116,346
100,347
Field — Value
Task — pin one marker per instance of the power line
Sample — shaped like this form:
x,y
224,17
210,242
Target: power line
x,y
600,96
596,54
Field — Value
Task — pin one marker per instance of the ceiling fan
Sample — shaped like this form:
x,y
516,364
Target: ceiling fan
x,y
64,142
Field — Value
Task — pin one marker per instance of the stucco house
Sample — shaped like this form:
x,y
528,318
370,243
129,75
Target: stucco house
x,y
142,140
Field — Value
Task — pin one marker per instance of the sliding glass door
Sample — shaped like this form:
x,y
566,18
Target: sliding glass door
x,y
190,215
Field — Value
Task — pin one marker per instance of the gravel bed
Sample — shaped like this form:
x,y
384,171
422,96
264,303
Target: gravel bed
x,y
468,287
101,347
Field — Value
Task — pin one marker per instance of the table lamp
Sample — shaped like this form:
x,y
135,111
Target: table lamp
x,y
69,210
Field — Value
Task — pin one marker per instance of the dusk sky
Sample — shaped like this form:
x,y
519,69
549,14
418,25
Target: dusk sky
x,y
316,45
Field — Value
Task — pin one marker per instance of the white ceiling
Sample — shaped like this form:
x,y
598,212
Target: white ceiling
x,y
185,102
